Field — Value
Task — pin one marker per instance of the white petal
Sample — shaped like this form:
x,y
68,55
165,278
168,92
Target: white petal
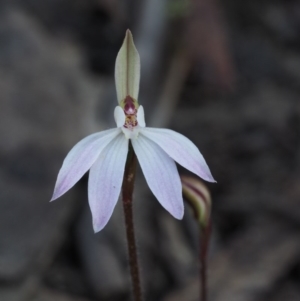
x,y
161,175
141,117
105,181
80,159
181,149
131,134
119,116
127,69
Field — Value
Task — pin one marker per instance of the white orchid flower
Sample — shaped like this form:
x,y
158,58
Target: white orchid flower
x,y
105,153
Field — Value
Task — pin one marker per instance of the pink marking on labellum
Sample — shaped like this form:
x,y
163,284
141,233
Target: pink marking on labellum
x,y
130,112
129,107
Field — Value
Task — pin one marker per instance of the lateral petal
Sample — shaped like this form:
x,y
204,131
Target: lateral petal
x,y
161,174
119,116
141,117
80,159
181,149
105,181
127,69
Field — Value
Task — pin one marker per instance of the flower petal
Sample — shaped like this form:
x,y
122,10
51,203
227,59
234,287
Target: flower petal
x,y
181,149
127,69
141,117
120,116
161,175
80,159
105,181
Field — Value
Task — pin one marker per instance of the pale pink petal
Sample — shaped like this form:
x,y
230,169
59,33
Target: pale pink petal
x,y
105,181
80,159
161,175
181,149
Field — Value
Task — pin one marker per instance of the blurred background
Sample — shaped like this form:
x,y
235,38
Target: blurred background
x,y
226,74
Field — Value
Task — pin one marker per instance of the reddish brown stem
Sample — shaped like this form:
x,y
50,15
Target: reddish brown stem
x,y
204,243
127,191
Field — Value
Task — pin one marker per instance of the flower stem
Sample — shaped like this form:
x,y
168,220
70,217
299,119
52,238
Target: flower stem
x,y
127,191
204,243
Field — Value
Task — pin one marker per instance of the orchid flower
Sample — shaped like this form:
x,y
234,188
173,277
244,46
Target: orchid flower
x,y
104,153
